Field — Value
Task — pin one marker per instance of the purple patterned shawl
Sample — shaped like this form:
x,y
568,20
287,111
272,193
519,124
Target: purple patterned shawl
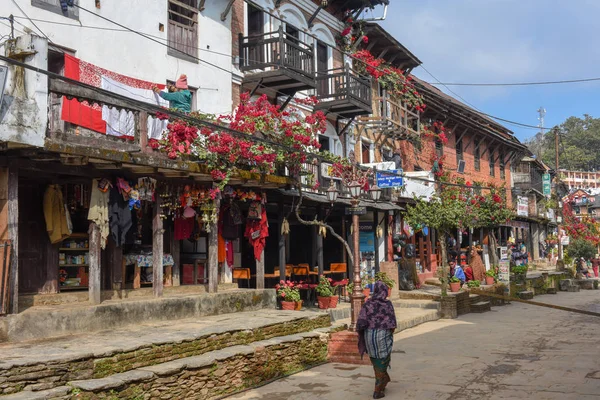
x,y
376,313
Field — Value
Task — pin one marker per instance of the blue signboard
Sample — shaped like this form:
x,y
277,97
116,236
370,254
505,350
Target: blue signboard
x,y
367,242
390,179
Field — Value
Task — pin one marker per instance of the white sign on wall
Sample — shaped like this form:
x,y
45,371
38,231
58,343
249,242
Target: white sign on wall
x,y
522,206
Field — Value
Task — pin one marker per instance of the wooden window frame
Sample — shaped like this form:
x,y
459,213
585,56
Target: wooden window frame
x,y
177,49
477,155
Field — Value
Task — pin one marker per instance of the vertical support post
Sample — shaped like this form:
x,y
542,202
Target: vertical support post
x,y
388,237
422,253
260,271
95,294
157,249
320,260
343,249
141,133
51,285
357,296
375,229
213,254
13,236
282,242
470,245
176,250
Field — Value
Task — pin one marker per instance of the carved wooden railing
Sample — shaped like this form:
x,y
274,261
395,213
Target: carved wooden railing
x,y
343,84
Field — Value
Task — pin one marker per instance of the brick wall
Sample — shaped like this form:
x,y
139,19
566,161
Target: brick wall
x,y
235,95
237,26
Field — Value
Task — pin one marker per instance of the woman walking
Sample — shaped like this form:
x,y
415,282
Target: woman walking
x,y
376,324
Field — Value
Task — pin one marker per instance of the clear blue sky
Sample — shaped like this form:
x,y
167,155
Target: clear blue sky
x,y
507,41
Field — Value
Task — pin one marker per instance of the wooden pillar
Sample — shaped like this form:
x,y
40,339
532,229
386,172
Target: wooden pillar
x,y
375,230
260,271
157,249
213,254
320,261
282,243
51,285
344,235
176,252
422,253
13,235
114,254
388,231
470,245
95,289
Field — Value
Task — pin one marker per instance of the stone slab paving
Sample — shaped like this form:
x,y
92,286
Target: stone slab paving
x,y
109,342
517,351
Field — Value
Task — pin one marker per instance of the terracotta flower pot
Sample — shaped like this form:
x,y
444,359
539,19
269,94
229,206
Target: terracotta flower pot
x,y
489,280
454,286
333,300
298,305
288,305
323,302
367,292
389,292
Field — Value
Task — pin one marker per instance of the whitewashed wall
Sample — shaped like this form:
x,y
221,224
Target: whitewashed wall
x,y
132,55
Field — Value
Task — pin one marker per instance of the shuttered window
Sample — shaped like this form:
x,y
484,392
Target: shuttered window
x,y
183,29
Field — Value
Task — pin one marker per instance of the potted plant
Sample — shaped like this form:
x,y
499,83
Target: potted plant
x,y
366,291
520,272
383,277
289,295
473,284
490,277
324,293
454,284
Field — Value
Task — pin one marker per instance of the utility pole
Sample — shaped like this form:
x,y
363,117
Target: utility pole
x,y
557,179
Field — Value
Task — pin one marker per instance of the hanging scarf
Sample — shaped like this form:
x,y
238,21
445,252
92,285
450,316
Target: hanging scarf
x,y
376,313
257,233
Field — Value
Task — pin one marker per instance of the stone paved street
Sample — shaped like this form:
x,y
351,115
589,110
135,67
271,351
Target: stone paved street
x,y
513,352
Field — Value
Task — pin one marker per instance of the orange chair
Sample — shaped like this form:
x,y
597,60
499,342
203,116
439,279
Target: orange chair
x,y
242,273
301,270
339,268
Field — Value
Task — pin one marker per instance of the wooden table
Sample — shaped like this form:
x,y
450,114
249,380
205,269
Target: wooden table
x,y
140,261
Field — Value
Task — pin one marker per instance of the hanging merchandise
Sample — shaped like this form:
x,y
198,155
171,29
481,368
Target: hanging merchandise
x,y
229,253
124,188
134,200
257,231
285,227
229,221
146,188
119,216
99,209
221,251
255,211
183,228
54,213
323,231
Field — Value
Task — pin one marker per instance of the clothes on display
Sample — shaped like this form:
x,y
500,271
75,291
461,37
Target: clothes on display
x,y
120,220
55,214
229,252
98,212
183,227
221,252
230,220
257,233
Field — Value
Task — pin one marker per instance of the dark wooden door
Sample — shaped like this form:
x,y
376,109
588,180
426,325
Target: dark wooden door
x,y
322,67
256,25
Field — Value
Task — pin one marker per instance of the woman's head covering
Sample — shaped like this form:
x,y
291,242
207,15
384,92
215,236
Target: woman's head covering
x,y
378,311
181,82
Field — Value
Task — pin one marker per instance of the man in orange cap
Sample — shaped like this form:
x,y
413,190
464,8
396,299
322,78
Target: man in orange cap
x,y
179,97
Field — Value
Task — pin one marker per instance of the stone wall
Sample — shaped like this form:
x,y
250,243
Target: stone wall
x,y
210,380
455,304
52,374
391,269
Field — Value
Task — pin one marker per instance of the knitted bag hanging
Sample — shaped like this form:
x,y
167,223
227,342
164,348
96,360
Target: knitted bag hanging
x,y
255,211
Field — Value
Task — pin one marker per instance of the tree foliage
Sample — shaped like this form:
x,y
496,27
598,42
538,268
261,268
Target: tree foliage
x,y
582,248
578,147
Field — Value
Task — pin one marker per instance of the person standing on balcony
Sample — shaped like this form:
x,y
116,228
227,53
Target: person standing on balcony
x,y
179,97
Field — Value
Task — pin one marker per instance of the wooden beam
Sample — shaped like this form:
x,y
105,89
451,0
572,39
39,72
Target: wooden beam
x,y
320,260
213,254
13,236
489,145
260,271
95,285
227,9
462,135
157,248
470,141
282,242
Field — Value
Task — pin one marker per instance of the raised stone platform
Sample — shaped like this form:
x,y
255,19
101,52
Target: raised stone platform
x,y
58,320
47,364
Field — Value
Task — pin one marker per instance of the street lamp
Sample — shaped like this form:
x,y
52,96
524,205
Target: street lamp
x,y
357,298
332,192
375,193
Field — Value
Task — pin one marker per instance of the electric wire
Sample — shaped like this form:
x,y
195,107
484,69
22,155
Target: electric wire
x,y
520,83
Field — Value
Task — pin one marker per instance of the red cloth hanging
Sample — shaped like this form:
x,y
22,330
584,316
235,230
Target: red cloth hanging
x,y
257,233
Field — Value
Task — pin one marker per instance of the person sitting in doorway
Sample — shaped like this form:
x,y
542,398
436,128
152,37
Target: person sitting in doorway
x,y
469,273
457,272
179,96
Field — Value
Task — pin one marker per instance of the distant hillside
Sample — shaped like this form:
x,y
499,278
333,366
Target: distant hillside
x,y
579,147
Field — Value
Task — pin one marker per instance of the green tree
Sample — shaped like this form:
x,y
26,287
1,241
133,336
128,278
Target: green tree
x,y
582,248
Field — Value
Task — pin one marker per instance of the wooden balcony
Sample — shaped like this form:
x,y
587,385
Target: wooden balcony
x,y
344,93
276,61
393,119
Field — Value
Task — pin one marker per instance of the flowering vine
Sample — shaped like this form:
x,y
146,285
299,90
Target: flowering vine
x,y
394,80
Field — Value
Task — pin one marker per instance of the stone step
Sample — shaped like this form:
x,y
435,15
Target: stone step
x,y
60,392
481,306
585,284
61,320
52,363
564,284
426,304
574,288
207,376
474,298
551,290
525,295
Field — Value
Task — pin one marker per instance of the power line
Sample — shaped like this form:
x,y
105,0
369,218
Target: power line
x,y
520,83
25,14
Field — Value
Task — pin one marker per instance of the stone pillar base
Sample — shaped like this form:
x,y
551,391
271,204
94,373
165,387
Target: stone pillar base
x,y
343,348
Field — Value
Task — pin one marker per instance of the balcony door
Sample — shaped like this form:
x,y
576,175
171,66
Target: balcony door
x,y
256,28
291,50
322,68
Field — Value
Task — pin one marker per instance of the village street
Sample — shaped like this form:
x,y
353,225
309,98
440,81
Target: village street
x,y
514,352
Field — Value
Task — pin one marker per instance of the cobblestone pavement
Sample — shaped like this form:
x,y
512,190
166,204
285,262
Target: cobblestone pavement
x,y
513,352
